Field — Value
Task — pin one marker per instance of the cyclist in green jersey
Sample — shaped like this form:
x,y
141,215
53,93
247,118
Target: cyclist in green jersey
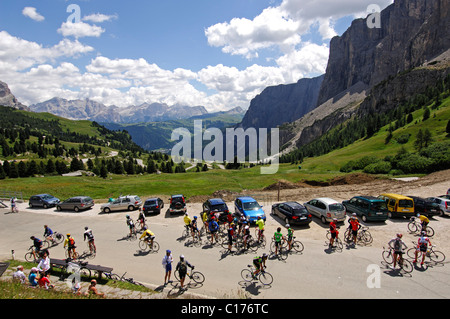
x,y
277,237
290,236
259,263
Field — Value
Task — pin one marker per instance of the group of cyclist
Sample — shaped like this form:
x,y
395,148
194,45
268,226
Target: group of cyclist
x,y
397,244
69,242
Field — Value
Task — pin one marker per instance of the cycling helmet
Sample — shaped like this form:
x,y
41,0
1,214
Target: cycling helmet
x,y
181,256
168,251
264,255
287,225
68,235
128,216
86,228
195,217
423,233
399,235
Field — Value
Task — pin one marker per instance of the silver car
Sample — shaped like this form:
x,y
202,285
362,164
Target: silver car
x,y
444,204
129,202
326,209
76,203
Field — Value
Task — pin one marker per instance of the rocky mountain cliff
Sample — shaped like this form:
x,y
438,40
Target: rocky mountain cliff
x,y
94,111
411,32
373,70
8,99
283,103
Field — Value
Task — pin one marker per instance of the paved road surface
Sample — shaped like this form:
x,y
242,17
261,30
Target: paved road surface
x,y
317,273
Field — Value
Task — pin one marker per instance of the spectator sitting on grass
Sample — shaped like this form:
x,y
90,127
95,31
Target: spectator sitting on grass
x,y
32,277
44,282
93,289
19,275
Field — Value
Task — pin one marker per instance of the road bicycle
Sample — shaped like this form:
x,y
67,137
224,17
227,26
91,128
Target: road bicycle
x,y
363,236
434,255
32,255
144,244
415,227
139,226
263,276
57,238
282,252
338,245
250,245
296,246
196,276
214,238
116,277
404,264
74,255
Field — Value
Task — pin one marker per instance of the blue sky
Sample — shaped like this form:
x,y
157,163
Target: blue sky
x,y
215,53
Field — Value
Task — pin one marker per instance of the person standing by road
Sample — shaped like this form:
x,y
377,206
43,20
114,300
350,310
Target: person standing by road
x,y
167,264
398,246
334,232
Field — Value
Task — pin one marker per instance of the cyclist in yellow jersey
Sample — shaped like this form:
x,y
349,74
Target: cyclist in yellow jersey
x,y
260,224
424,221
149,235
187,222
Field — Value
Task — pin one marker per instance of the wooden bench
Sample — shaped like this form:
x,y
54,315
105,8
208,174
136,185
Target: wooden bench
x,y
64,265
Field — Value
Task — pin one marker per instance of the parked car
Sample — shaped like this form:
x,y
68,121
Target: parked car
x,y
369,208
76,203
248,207
177,204
326,209
425,206
445,196
398,205
217,205
153,206
292,213
129,202
444,205
43,200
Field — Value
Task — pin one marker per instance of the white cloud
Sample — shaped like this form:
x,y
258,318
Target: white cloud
x,y
99,17
80,30
32,13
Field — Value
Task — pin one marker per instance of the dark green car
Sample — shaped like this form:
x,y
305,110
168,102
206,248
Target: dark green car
x,y
369,208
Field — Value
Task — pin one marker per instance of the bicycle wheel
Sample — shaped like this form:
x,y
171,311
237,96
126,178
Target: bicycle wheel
x,y
387,256
412,253
283,253
412,227
430,231
59,238
339,244
265,278
437,256
30,257
198,277
155,247
367,237
143,245
297,246
406,265
247,275
252,245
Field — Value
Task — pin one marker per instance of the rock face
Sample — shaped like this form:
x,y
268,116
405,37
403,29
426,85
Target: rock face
x,y
283,103
412,32
8,99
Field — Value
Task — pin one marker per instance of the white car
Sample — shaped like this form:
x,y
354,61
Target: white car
x,y
129,202
444,204
326,209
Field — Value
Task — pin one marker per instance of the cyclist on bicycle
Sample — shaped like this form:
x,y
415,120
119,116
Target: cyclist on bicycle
x,y
130,225
149,235
90,237
182,270
334,232
260,224
260,263
37,243
246,236
290,236
422,246
424,221
194,228
213,228
398,246
230,235
70,243
48,233
278,237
